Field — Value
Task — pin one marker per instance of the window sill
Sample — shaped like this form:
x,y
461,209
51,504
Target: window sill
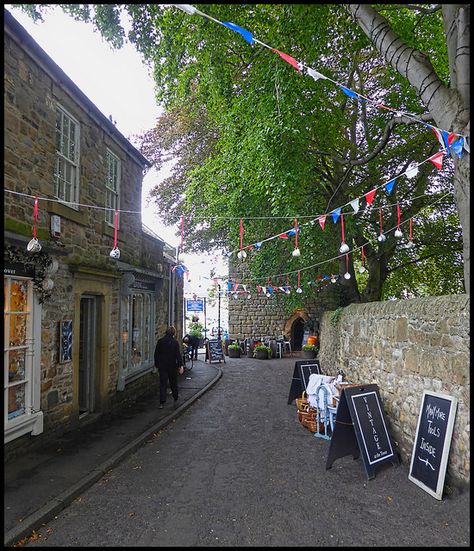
x,y
66,212
30,423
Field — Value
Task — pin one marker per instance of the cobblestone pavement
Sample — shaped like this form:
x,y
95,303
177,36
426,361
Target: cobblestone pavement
x,y
237,469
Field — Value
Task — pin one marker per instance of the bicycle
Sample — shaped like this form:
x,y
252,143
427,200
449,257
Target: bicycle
x,y
188,357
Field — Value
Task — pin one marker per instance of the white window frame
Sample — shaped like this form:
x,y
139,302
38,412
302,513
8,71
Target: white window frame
x,y
31,421
71,162
112,160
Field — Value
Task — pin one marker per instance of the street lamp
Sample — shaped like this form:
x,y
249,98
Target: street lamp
x,y
219,312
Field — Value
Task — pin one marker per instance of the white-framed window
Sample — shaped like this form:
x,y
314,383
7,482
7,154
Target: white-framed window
x,y
112,186
66,177
22,334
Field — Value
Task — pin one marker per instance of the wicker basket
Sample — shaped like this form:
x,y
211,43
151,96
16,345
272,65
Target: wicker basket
x,y
303,401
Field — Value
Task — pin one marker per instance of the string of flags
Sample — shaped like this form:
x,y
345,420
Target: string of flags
x,y
445,138
270,289
336,214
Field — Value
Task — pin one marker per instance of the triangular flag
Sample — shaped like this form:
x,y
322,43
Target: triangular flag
x,y
244,287
466,146
322,221
349,93
448,138
264,290
314,74
229,285
258,245
283,236
355,205
369,197
457,147
236,286
335,214
291,60
246,34
412,172
258,288
439,135
389,186
437,160
291,232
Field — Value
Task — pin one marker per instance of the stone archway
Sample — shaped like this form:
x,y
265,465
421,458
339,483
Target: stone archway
x,y
299,316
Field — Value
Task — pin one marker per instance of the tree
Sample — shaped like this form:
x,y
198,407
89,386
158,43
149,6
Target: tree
x,y
447,103
255,138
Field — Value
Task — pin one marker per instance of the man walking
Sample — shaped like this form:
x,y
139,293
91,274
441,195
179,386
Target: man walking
x,y
169,361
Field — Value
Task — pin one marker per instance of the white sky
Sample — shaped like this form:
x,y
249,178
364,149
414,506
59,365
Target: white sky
x,y
119,84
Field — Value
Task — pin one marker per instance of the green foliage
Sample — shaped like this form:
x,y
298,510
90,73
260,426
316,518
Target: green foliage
x,y
234,347
263,348
253,138
336,316
196,329
309,347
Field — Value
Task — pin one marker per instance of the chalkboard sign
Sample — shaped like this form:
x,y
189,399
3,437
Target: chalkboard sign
x,y
429,457
65,341
361,427
214,351
303,369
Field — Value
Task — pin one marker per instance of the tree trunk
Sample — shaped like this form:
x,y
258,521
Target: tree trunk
x,y
449,107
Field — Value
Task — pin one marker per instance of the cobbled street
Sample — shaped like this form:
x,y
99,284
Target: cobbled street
x,y
238,469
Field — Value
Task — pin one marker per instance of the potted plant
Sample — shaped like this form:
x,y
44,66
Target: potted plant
x,y
262,352
234,350
309,351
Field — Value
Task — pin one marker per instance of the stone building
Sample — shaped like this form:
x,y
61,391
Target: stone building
x,y
80,326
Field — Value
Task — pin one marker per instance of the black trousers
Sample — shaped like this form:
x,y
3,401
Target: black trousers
x,y
171,375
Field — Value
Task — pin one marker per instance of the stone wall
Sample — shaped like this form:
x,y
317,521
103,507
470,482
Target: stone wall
x,y
405,347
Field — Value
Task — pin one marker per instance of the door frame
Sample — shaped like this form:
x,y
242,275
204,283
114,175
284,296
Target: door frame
x,y
92,320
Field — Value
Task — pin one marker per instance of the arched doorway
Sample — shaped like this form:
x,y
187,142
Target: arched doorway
x,y
297,334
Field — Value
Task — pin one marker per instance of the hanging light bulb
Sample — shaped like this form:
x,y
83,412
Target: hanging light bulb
x,y
343,248
381,238
242,255
296,252
347,275
398,233
299,290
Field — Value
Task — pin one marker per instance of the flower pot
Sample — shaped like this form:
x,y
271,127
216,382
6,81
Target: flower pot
x,y
234,352
261,354
309,354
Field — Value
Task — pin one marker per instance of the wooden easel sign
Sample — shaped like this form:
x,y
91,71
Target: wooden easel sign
x,y
303,369
214,352
429,458
361,428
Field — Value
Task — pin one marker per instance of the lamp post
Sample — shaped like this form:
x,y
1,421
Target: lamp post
x,y
219,312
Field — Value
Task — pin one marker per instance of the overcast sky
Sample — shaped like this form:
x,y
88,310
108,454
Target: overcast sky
x,y
119,84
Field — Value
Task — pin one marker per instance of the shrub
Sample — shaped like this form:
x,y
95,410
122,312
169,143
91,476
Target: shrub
x,y
234,347
262,347
309,347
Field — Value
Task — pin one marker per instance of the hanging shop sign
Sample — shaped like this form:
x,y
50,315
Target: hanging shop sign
x,y
195,305
429,457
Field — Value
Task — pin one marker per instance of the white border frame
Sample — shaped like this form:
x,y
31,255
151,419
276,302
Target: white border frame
x,y
446,447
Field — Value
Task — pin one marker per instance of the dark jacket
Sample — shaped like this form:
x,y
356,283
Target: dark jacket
x,y
193,340
168,353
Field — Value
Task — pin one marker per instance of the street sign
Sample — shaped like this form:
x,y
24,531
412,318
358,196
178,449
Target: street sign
x,y
195,305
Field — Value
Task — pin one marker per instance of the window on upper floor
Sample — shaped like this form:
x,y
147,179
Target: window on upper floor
x,y
67,158
112,186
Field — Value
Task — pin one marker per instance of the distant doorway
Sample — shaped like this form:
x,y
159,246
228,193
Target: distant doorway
x,y
87,354
297,334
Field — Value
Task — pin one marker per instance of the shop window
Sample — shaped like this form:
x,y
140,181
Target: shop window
x,y
21,395
139,346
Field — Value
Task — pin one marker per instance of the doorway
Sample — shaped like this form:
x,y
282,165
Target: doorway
x,y
87,354
297,334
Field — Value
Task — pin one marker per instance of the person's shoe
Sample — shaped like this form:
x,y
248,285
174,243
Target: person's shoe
x,y
161,406
176,403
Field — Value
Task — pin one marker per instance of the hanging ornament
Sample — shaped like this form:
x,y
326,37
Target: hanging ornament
x,y
299,289
398,232
381,236
344,246
410,243
347,275
362,268
296,251
34,246
241,255
115,253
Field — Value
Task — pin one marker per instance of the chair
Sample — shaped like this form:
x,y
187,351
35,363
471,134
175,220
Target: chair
x,y
286,344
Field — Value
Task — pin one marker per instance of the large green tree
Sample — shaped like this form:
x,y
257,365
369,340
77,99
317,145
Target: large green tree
x,y
254,138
